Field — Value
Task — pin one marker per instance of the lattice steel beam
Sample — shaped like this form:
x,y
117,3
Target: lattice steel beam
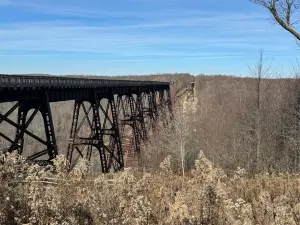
x,y
24,106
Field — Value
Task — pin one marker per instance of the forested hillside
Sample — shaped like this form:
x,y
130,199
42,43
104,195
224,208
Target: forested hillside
x,y
249,122
235,122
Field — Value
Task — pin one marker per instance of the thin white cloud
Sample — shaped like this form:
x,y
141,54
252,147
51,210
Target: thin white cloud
x,y
60,8
217,20
187,32
186,17
107,45
114,60
154,60
206,26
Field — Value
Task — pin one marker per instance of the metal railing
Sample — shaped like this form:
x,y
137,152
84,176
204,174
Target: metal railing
x,y
65,82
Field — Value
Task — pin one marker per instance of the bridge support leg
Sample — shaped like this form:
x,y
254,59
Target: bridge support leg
x,y
21,121
149,110
140,115
83,146
162,107
154,107
73,134
110,127
117,135
124,118
40,105
169,104
153,114
165,106
104,135
136,133
130,113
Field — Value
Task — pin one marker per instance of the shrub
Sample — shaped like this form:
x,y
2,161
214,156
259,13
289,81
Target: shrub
x,y
30,194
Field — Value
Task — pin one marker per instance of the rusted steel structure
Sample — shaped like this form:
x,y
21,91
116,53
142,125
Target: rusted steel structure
x,y
106,106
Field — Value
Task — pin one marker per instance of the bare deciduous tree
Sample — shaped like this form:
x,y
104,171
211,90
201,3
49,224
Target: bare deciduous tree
x,y
177,140
259,71
282,11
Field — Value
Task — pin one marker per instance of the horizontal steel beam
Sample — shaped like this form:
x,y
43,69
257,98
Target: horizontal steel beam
x,y
16,88
23,81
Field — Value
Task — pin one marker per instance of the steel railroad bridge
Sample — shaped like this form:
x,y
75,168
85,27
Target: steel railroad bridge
x,y
104,106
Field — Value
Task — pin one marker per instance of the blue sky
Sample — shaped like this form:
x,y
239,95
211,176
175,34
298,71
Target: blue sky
x,y
119,37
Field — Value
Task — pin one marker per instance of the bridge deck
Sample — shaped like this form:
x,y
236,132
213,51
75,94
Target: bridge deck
x,y
65,82
14,87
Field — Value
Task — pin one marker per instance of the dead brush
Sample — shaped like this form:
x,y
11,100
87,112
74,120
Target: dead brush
x,y
30,194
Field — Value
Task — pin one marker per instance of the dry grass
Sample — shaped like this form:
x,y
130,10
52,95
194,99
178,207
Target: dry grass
x,y
33,195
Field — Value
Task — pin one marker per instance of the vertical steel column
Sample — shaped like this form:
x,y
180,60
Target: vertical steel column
x,y
49,128
149,111
116,133
140,115
119,110
21,121
155,105
137,141
162,109
169,104
125,117
98,132
153,108
73,131
23,126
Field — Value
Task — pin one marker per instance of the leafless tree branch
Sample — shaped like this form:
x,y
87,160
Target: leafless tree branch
x,y
282,11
